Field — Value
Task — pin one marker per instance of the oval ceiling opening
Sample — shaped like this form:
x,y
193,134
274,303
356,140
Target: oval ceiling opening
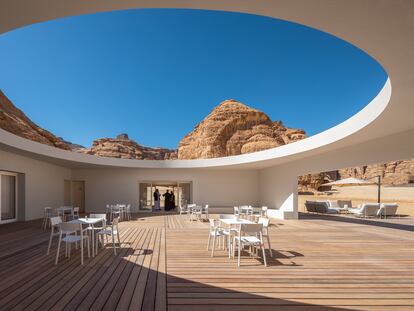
x,y
156,73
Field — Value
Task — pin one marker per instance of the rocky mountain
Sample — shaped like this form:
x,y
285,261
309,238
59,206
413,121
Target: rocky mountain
x,y
15,121
233,128
125,148
392,173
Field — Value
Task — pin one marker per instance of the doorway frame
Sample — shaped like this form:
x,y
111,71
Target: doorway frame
x,y
174,183
16,197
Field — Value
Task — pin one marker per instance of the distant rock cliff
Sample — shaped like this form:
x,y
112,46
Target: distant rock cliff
x,y
233,128
15,121
125,148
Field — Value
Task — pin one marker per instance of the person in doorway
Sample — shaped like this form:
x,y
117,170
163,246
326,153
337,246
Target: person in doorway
x,y
157,199
167,200
172,200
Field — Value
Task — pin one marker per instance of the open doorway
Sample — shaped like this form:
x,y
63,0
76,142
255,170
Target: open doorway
x,y
181,190
8,197
74,194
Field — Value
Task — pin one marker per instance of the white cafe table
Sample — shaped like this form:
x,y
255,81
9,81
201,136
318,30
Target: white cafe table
x,y
234,221
90,222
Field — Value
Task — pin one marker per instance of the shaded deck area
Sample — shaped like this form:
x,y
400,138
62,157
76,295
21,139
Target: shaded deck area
x,y
318,264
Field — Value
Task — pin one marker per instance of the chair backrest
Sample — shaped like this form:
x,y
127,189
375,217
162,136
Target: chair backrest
x,y
236,210
214,223
264,222
369,209
387,209
48,211
251,228
115,222
264,211
69,227
76,209
54,221
191,205
226,216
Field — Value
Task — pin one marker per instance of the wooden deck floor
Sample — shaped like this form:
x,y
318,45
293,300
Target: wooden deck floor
x,y
318,264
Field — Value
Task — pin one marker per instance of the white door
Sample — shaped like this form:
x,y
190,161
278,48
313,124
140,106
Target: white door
x,y
8,197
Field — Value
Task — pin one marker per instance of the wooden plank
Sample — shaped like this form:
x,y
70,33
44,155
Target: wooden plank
x,y
318,265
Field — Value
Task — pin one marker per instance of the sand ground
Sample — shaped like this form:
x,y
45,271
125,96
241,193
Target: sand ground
x,y
403,195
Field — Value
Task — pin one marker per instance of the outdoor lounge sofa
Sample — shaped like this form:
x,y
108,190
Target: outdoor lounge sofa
x,y
387,209
340,205
321,207
366,210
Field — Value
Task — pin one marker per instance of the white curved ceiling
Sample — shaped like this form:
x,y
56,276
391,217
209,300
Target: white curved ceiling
x,y
383,29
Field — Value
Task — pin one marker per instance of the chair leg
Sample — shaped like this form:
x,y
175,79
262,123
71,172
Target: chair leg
x,y
119,240
50,243
270,247
58,250
208,241
81,245
89,246
264,254
113,243
69,249
214,245
238,253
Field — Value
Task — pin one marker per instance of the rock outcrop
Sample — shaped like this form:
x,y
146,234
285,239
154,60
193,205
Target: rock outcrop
x,y
392,173
233,128
125,148
15,121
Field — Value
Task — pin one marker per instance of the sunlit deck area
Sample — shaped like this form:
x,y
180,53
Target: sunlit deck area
x,y
318,264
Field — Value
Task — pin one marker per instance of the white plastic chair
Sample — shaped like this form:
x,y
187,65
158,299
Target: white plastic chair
x,y
65,235
75,213
47,214
265,232
236,210
229,231
54,231
205,211
264,211
111,230
183,208
215,232
249,235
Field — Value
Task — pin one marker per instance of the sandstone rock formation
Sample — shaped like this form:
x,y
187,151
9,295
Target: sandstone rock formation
x,y
392,173
15,121
125,148
233,128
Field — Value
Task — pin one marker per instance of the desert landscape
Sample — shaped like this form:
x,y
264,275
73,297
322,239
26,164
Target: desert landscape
x,y
233,128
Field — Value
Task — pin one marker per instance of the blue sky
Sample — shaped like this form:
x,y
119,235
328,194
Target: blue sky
x,y
156,73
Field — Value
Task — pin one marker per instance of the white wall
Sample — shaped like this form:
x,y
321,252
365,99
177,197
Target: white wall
x,y
218,188
43,182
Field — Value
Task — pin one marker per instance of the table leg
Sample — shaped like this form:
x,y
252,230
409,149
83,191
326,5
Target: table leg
x,y
93,241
